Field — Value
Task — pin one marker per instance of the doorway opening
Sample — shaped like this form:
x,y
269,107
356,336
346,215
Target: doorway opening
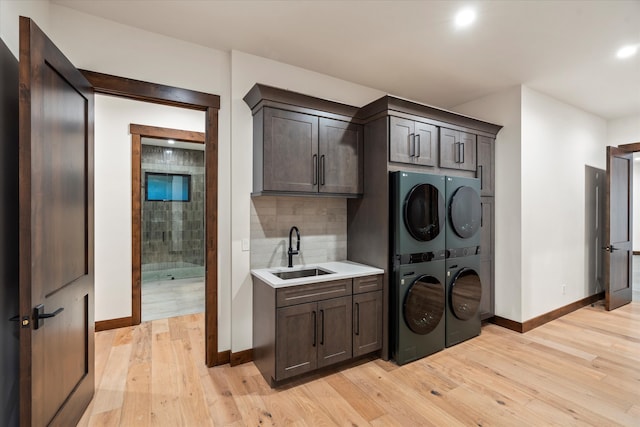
x,y
210,105
172,196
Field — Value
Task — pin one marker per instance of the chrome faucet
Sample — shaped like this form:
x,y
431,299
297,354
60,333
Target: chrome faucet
x,y
291,252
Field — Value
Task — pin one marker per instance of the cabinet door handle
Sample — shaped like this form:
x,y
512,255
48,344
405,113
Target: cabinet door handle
x,y
357,319
322,170
479,175
456,149
315,169
417,138
481,214
322,326
412,145
461,152
315,328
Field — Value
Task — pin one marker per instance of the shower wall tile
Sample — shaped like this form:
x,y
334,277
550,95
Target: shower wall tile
x,y
173,232
322,223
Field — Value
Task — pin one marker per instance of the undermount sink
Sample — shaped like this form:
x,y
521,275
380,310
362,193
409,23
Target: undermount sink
x,y
297,274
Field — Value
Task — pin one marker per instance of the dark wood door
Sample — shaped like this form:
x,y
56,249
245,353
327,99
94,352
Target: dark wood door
x,y
56,234
426,142
484,169
341,157
290,151
367,327
401,142
618,228
296,340
334,330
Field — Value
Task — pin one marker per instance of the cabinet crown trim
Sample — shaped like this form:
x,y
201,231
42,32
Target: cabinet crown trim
x,y
389,104
261,94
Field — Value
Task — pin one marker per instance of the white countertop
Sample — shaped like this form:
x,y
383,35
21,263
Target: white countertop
x,y
339,269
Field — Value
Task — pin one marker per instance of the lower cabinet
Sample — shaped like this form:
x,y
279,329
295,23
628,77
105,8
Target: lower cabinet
x,y
299,329
312,335
367,318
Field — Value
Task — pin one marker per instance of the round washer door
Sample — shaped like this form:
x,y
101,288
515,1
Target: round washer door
x,y
466,291
465,212
424,304
424,212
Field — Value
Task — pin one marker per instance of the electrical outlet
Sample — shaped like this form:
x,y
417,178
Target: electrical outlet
x,y
564,289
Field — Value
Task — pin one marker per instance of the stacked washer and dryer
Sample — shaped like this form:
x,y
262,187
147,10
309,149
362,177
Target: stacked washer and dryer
x,y
435,286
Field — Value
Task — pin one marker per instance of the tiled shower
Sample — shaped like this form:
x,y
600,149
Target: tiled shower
x,y
173,231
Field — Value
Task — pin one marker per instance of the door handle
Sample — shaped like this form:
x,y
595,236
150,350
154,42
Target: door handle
x,y
417,138
315,169
315,328
39,315
322,326
357,332
412,145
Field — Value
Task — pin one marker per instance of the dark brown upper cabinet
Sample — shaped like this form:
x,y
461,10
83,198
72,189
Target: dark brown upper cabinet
x,y
412,142
304,145
340,163
290,151
485,170
457,149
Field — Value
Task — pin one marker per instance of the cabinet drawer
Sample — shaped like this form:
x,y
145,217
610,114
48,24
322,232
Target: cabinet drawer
x,y
313,292
367,284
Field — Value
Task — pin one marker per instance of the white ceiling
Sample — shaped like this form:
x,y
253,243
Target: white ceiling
x,y
411,49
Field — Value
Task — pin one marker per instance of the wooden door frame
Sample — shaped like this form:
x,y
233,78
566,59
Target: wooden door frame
x,y
177,97
137,133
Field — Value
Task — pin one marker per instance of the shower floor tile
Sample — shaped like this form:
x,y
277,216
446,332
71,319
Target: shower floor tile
x,y
170,298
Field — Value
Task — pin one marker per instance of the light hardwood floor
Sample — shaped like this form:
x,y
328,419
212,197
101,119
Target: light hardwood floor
x,y
582,369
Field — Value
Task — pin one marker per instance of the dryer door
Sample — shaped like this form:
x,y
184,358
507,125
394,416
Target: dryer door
x,y
424,212
466,291
424,304
465,212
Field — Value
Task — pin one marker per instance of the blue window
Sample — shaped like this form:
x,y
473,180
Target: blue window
x,y
167,187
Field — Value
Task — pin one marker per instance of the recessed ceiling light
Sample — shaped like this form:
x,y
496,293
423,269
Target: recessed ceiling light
x,y
171,141
465,17
627,51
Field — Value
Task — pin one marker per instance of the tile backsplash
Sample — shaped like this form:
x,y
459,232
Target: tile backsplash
x,y
322,223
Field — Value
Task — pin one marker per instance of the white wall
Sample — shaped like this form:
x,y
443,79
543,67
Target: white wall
x,y
247,70
11,10
558,140
625,130
113,192
504,108
541,154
